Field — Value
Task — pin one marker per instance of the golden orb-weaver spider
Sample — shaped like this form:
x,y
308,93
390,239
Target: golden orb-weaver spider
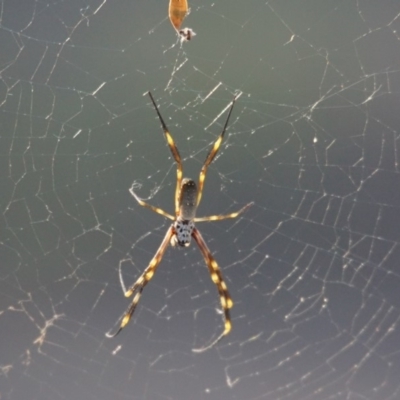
x,y
187,199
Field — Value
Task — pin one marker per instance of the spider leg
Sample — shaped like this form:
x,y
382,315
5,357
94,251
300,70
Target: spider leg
x,y
142,281
152,208
220,217
211,155
216,277
175,154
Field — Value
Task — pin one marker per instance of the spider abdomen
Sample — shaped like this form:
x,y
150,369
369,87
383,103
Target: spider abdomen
x,y
183,232
188,200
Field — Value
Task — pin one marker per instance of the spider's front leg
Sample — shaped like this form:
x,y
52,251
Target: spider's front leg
x,y
142,281
216,277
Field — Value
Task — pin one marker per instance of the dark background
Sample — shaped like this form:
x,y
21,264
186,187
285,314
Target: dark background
x,y
312,267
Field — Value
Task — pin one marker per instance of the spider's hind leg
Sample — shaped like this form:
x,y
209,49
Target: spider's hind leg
x,y
175,154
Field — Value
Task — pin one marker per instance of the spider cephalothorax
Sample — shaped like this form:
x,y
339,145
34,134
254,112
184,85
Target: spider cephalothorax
x,y
183,230
187,199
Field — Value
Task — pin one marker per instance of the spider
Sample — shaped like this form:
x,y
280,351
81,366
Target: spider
x,y
187,199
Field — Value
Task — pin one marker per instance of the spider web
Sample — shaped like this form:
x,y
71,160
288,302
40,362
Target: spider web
x,y
312,267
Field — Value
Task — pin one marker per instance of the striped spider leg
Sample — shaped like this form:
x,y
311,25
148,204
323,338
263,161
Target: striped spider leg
x,y
187,199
